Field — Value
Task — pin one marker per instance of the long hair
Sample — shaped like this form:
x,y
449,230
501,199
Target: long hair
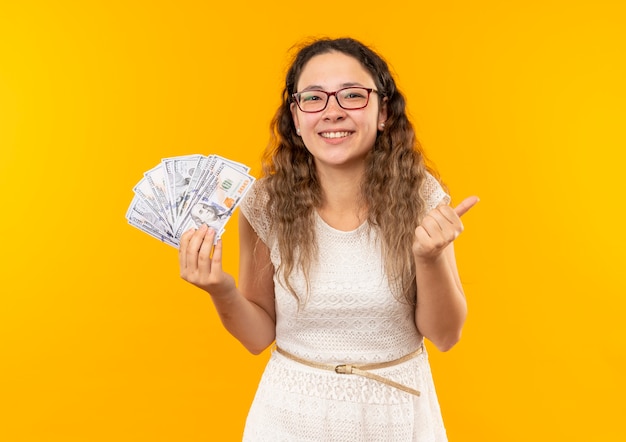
x,y
394,172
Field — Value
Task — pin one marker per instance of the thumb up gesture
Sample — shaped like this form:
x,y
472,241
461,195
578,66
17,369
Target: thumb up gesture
x,y
439,228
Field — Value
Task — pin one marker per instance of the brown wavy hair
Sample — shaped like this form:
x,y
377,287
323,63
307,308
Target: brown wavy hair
x,y
395,170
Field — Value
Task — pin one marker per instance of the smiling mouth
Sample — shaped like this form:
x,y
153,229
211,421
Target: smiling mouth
x,y
334,134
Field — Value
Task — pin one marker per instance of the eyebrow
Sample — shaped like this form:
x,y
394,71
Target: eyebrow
x,y
315,87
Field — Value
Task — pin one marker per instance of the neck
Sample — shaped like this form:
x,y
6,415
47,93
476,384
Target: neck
x,y
342,206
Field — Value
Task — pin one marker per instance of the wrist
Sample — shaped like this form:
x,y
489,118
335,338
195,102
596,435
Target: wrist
x,y
225,294
428,260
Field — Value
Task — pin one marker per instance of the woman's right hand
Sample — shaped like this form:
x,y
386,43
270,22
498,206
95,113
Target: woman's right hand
x,y
201,262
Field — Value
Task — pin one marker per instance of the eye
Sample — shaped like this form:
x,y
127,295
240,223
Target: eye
x,y
311,96
354,94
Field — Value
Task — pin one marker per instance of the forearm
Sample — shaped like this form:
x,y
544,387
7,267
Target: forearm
x,y
249,317
441,306
248,322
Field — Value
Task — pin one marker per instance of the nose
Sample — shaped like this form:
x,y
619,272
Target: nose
x,y
333,110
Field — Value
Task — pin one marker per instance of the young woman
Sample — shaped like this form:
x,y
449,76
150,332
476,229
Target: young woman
x,y
346,261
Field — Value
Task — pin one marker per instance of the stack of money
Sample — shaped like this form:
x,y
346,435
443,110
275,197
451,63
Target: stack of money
x,y
185,192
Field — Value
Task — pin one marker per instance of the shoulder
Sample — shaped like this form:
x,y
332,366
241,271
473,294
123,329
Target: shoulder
x,y
433,193
256,195
254,208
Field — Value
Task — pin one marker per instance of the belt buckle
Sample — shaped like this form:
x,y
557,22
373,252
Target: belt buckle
x,y
343,369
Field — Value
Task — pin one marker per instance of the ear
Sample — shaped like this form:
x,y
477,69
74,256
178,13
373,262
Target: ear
x,y
382,112
294,115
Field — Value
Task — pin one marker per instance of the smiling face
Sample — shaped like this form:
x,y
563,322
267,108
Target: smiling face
x,y
337,137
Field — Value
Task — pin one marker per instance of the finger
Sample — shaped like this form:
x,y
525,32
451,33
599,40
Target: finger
x,y
193,248
204,254
182,247
425,244
465,205
217,255
430,226
439,229
422,236
445,216
433,223
448,214
450,223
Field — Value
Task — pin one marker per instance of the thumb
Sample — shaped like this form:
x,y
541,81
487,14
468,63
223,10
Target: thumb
x,y
465,205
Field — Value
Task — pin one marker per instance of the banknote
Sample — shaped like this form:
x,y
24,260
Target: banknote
x,y
197,180
141,210
157,180
203,174
144,190
216,200
185,192
178,174
140,215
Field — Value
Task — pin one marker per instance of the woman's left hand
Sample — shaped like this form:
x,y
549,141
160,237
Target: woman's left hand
x,y
439,228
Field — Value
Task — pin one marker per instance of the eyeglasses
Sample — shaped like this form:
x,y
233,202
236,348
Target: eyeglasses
x,y
349,98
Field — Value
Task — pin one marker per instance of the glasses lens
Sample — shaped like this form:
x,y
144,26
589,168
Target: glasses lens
x,y
348,98
312,101
353,97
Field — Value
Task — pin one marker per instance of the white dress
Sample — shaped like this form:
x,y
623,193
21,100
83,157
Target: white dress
x,y
350,317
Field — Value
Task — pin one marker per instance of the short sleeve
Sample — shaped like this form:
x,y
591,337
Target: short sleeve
x,y
254,208
433,193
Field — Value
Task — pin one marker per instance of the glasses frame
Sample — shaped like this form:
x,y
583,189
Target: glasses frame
x,y
296,98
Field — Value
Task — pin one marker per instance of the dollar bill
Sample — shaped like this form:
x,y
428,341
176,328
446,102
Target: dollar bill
x,y
141,209
178,174
185,192
156,179
215,202
144,190
140,215
205,165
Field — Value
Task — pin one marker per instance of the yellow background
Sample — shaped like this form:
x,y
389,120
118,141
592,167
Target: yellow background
x,y
519,102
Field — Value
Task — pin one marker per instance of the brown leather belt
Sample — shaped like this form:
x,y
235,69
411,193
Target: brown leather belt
x,y
360,369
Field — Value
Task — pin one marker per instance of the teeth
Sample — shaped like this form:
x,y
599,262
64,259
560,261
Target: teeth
x,y
334,134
